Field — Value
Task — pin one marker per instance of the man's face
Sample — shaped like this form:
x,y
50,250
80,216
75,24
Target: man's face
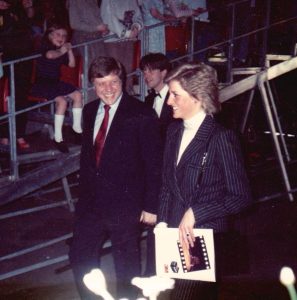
x,y
154,78
108,88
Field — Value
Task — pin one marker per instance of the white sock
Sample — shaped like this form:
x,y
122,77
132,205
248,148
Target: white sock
x,y
76,113
59,119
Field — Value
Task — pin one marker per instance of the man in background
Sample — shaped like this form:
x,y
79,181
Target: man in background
x,y
155,67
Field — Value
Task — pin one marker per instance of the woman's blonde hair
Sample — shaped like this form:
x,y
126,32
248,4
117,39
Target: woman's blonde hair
x,y
200,81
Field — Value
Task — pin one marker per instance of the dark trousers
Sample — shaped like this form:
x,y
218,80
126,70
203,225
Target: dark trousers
x,y
89,235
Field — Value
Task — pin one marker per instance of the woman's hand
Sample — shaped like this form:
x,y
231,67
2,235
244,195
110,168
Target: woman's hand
x,y
186,233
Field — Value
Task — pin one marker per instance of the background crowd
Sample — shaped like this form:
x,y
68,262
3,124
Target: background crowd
x,y
120,23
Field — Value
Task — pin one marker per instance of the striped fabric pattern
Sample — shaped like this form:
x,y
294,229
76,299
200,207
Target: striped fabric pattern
x,y
224,188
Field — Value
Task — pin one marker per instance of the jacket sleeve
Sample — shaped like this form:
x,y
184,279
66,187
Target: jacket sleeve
x,y
151,149
230,193
164,196
86,191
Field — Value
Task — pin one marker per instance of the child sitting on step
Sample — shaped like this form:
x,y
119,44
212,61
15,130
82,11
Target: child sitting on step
x,y
56,50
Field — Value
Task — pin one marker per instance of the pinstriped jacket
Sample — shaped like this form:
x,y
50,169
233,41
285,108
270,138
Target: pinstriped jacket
x,y
223,188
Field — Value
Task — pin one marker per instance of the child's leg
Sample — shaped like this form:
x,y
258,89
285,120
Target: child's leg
x,y
76,110
61,105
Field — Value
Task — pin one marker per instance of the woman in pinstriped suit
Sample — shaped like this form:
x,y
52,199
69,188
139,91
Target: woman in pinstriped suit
x,y
204,179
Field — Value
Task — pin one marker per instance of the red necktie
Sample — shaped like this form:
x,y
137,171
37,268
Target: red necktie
x,y
100,138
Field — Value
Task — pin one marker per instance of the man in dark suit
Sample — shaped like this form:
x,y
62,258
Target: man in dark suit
x,y
118,185
155,67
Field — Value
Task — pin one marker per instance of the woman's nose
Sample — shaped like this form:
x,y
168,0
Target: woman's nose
x,y
169,100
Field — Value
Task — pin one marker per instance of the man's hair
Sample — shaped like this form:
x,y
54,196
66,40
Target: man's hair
x,y
200,81
103,66
155,61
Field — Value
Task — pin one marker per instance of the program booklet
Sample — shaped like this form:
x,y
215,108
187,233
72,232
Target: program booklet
x,y
174,260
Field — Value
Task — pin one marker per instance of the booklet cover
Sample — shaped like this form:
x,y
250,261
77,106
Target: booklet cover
x,y
175,261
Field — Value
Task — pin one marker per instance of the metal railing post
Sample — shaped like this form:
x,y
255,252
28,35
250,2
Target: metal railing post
x,y
144,34
14,172
265,34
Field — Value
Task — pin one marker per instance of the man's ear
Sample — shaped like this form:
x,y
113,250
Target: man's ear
x,y
164,73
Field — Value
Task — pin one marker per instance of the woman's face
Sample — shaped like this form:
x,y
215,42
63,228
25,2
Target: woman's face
x,y
58,37
184,106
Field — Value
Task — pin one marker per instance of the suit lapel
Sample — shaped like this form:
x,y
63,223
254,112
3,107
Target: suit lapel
x,y
173,143
91,121
198,141
166,111
149,100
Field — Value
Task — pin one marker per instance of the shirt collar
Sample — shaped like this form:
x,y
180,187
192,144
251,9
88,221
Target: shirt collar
x,y
164,91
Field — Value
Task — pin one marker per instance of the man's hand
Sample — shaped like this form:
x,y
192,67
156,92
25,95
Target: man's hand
x,y
103,28
186,234
148,218
134,33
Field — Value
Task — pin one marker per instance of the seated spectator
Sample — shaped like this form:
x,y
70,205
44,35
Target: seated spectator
x,y
178,9
125,20
47,12
55,52
87,25
177,31
152,13
209,28
16,42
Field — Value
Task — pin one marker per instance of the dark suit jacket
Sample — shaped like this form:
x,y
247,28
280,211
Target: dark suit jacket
x,y
224,187
166,116
128,178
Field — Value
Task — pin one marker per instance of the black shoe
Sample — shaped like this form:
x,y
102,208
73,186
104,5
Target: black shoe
x,y
76,137
61,146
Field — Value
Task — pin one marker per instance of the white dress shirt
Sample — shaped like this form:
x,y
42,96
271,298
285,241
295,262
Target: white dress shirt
x,y
191,127
100,116
159,100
